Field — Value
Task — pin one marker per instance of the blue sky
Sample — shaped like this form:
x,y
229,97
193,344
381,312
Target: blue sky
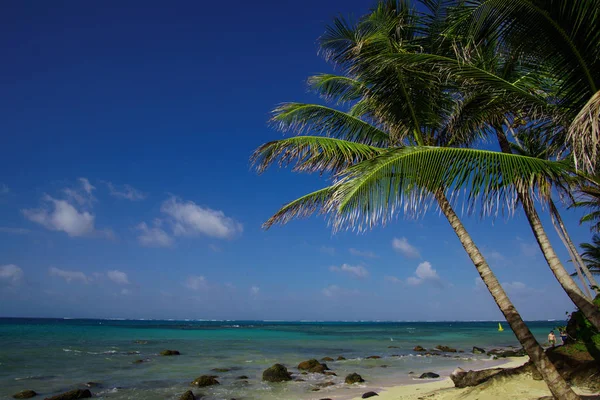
x,y
126,190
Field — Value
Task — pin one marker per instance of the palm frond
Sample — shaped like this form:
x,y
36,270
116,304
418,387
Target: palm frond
x,y
584,134
301,117
372,191
338,88
312,154
302,207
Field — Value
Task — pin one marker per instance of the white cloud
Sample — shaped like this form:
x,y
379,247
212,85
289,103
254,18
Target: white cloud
x,y
69,276
153,237
189,219
83,194
10,273
196,283
359,253
406,249
254,290
331,290
355,271
118,277
14,231
327,250
530,249
424,274
392,279
125,292
4,189
214,248
126,191
62,216
516,288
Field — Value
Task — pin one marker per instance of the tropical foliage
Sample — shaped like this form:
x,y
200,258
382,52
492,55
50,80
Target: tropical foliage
x,y
591,254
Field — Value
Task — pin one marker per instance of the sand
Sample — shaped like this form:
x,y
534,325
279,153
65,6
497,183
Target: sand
x,y
516,387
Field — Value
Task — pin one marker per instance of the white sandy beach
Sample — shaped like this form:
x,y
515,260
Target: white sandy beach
x,y
517,387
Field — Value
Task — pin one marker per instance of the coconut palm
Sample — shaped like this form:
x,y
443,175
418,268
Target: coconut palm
x,y
591,254
562,37
513,84
588,197
393,148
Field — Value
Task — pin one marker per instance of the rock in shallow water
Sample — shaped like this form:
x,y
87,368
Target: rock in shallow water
x,y
170,353
276,373
189,395
205,380
419,348
445,349
429,375
353,378
313,366
369,394
462,378
478,350
25,394
72,395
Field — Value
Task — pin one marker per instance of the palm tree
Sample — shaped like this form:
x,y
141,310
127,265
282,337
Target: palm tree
x,y
589,197
517,83
537,143
387,151
591,254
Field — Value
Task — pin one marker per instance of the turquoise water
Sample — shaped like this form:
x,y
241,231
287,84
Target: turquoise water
x,y
54,355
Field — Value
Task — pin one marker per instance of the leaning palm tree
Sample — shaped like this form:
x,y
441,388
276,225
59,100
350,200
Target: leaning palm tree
x,y
529,93
536,143
392,150
591,254
549,40
588,197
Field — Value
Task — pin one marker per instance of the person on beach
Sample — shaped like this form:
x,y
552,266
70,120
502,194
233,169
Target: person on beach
x,y
552,339
563,337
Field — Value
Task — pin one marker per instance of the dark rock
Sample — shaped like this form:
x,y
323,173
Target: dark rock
x,y
72,395
242,377
462,378
373,357
299,380
341,358
419,348
369,394
478,350
205,380
313,366
221,369
330,373
445,349
25,394
503,353
393,347
326,359
429,375
169,353
325,399
353,378
189,395
276,373
140,341
383,366
411,373
138,361
92,384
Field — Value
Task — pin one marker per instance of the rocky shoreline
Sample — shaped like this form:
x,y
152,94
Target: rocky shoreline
x,y
279,373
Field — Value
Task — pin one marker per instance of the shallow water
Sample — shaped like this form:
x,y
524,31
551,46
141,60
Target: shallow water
x,y
54,355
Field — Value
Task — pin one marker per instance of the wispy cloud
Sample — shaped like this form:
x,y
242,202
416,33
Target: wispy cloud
x,y
10,274
357,271
359,253
4,189
196,282
327,250
402,246
125,191
254,290
118,277
331,290
189,219
392,279
69,276
153,236
71,215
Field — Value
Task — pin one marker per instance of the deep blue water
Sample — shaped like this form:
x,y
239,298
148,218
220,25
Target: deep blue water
x,y
54,355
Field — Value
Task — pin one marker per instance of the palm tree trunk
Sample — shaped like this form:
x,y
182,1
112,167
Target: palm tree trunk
x,y
591,312
577,260
557,385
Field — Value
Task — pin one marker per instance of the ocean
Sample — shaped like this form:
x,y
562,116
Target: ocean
x,y
51,356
